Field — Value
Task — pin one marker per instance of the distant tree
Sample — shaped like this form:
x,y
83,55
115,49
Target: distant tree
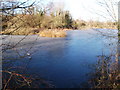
x,y
68,20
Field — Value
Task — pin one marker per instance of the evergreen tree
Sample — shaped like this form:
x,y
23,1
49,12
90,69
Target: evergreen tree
x,y
68,20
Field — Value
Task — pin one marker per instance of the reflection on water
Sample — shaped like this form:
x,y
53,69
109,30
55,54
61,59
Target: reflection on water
x,y
67,61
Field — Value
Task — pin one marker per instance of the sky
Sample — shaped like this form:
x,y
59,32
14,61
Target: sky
x,y
86,9
81,9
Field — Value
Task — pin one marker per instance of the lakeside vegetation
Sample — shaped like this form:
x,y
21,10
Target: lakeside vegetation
x,y
35,21
107,73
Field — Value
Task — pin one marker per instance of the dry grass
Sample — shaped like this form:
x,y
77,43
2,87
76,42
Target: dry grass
x,y
31,31
52,33
19,31
107,73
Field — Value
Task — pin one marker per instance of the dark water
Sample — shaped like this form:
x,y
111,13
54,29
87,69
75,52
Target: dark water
x,y
66,62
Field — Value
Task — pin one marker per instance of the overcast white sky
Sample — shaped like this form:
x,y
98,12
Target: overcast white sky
x,y
82,9
86,9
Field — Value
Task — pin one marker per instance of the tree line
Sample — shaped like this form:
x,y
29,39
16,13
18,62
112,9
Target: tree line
x,y
30,17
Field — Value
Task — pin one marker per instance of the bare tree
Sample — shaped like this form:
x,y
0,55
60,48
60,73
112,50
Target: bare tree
x,y
10,9
110,8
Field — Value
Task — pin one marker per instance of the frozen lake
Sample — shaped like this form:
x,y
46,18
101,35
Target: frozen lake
x,y
65,62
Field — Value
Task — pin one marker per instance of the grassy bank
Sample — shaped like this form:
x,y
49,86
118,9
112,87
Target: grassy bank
x,y
52,33
58,21
35,31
